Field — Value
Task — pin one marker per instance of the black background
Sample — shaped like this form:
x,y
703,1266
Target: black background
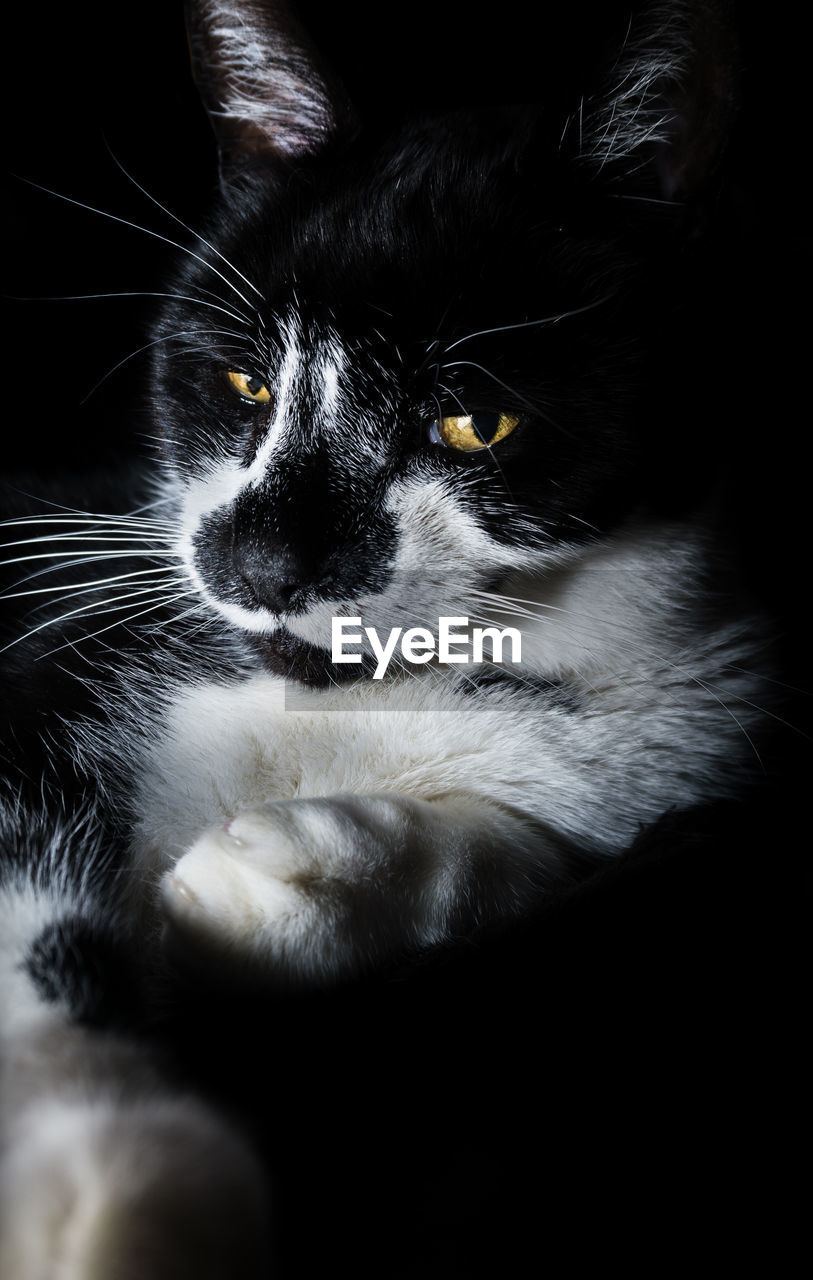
x,y
85,83
611,1080
88,85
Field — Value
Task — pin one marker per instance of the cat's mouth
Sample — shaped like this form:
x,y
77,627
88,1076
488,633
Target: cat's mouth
x,y
293,658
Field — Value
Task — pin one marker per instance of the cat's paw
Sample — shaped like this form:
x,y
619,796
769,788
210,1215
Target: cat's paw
x,y
314,889
255,891
152,1187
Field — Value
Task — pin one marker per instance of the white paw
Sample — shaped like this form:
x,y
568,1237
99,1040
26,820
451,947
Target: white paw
x,y
313,889
253,889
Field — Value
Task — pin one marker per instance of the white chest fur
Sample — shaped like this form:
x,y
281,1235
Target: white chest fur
x,y
432,804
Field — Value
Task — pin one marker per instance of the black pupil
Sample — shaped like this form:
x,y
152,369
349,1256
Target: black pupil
x,y
485,425
254,386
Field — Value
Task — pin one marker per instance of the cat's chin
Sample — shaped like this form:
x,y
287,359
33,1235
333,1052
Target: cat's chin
x,y
293,658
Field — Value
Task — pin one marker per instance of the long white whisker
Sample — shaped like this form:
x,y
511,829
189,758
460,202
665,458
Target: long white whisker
x,y
85,518
140,293
95,607
130,540
633,646
82,611
180,223
527,324
86,558
135,226
165,337
121,622
200,610
454,364
136,515
78,588
150,506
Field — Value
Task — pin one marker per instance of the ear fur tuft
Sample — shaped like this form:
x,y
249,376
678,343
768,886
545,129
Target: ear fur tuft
x,y
670,99
263,85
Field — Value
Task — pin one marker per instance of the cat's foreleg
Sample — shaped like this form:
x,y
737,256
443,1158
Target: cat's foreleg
x,y
105,1170
312,889
108,1167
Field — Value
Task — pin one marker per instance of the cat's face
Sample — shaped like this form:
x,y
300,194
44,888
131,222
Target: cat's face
x,y
407,369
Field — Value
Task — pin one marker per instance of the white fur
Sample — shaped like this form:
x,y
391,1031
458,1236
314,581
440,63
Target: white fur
x,y
441,555
105,1169
375,819
266,76
635,112
102,1174
314,380
291,370
386,815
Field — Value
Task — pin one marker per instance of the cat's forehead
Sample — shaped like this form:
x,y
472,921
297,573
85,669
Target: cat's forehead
x,y
312,355
325,385
438,209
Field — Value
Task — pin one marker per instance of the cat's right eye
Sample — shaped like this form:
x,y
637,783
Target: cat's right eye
x,y
250,389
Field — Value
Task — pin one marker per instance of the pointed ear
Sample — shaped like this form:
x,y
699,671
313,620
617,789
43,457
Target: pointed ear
x,y
665,116
265,89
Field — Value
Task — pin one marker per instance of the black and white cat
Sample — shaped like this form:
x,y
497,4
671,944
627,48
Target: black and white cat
x,y
402,375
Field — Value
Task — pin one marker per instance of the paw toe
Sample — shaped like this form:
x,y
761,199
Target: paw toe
x,y
231,890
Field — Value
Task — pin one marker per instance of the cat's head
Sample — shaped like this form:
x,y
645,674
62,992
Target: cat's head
x,y
417,361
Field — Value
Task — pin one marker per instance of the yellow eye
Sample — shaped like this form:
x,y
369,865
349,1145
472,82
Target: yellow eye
x,y
480,431
247,388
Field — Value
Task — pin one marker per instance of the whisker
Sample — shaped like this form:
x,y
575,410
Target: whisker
x,y
454,396
129,539
122,622
87,517
79,588
165,337
82,611
635,647
87,558
182,224
139,293
488,447
135,226
492,622
780,684
527,324
521,399
98,606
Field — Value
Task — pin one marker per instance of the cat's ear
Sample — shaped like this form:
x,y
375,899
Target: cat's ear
x,y
264,86
665,114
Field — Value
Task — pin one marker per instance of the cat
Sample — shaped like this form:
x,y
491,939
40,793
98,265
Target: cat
x,y
402,374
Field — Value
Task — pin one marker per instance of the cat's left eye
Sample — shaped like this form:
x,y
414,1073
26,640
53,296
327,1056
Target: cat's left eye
x,y
472,432
252,390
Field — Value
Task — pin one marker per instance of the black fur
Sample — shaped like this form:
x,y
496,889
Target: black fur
x,y
619,1020
79,964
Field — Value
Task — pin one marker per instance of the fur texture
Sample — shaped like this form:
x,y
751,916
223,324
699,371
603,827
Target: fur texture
x,y
196,783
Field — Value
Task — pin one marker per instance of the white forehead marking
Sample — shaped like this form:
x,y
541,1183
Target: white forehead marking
x,y
286,381
333,363
319,378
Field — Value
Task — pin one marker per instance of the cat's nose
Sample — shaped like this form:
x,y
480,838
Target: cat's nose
x,y
272,571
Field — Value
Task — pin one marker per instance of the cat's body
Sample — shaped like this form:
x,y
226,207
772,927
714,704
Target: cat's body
x,y
356,301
